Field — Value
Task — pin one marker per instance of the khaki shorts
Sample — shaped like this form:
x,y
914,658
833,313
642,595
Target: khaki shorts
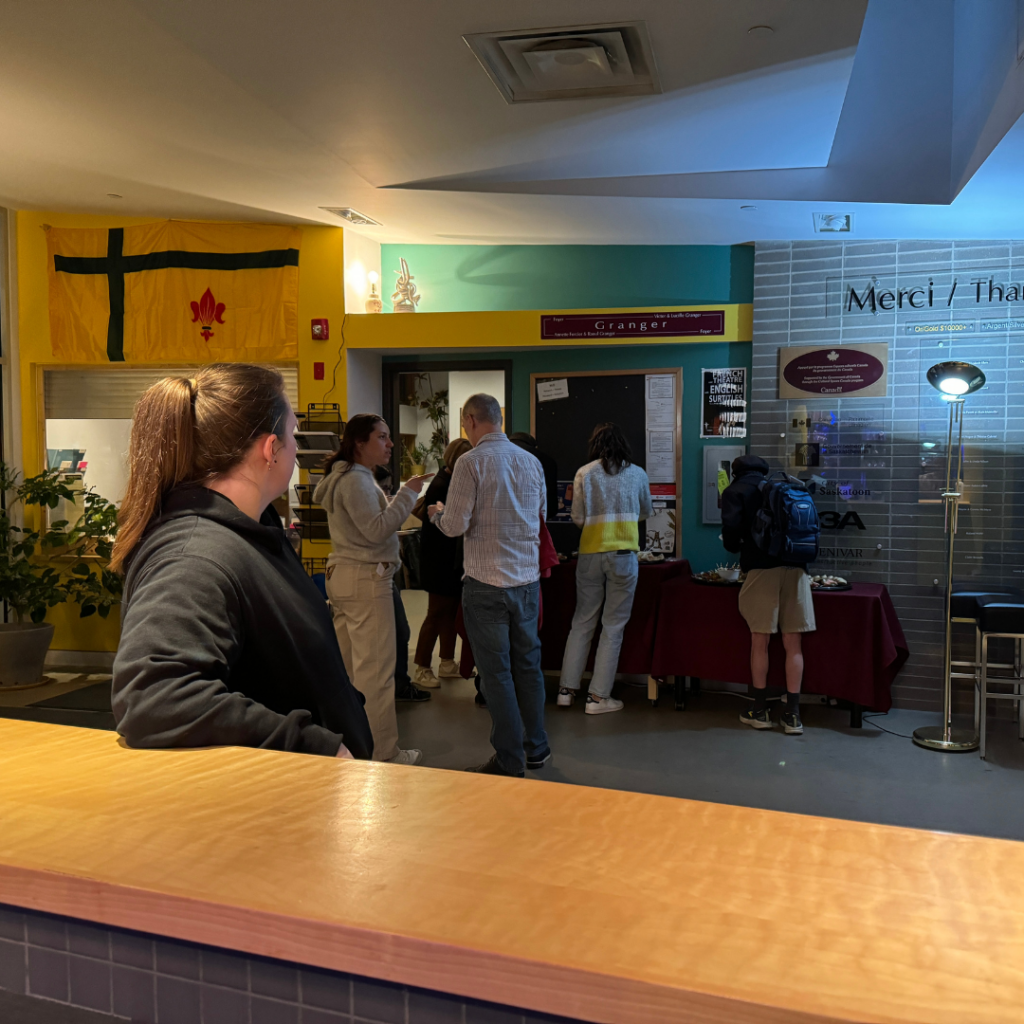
x,y
778,599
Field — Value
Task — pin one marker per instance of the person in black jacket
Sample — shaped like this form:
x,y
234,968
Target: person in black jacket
x,y
441,578
776,595
225,640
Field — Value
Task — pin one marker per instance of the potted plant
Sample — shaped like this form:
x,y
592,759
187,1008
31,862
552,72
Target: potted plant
x,y
420,454
436,408
48,565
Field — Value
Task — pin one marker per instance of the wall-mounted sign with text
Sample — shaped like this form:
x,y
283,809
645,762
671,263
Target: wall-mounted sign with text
x,y
843,370
671,324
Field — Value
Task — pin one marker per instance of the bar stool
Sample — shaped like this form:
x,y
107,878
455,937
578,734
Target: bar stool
x,y
1000,617
964,607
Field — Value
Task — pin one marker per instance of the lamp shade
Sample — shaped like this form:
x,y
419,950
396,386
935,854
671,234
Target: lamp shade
x,y
955,378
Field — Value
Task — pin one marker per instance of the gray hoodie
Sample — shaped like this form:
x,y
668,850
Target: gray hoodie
x,y
364,523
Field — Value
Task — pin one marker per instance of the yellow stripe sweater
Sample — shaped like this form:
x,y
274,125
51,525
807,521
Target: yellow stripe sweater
x,y
608,506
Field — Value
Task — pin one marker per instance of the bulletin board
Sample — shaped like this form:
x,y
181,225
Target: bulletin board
x,y
647,404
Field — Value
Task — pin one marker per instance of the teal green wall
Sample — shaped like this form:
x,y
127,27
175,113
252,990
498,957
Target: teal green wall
x,y
700,543
468,278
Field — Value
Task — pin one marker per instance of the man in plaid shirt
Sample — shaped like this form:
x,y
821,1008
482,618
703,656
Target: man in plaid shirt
x,y
497,502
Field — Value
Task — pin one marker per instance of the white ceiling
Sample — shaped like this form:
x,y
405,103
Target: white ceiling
x,y
268,110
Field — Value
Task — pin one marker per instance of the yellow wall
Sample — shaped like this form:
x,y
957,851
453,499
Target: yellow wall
x,y
321,294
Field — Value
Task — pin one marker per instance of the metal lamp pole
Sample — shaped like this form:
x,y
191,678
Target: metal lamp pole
x,y
945,737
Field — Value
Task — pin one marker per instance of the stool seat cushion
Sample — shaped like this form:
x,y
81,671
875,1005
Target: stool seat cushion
x,y
964,601
1001,614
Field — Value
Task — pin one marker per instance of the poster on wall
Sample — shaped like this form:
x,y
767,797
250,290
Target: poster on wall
x,y
847,371
718,460
661,526
660,403
723,403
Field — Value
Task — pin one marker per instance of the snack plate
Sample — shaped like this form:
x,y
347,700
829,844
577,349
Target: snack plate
x,y
831,590
717,583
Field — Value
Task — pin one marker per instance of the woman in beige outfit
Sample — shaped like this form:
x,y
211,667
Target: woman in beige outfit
x,y
364,528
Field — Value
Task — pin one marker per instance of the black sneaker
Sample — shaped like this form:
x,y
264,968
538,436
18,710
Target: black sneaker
x,y
493,768
411,693
791,724
538,760
756,719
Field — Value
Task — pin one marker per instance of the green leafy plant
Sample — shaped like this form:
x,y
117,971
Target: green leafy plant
x,y
43,567
420,453
436,408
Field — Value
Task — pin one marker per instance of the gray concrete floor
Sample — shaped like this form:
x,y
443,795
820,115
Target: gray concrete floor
x,y
704,753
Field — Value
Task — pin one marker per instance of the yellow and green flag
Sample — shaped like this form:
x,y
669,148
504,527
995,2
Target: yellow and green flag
x,y
174,290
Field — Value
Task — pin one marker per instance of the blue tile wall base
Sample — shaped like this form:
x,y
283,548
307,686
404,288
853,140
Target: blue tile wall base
x,y
126,975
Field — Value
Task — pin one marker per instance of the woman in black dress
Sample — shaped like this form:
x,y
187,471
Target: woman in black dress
x,y
441,578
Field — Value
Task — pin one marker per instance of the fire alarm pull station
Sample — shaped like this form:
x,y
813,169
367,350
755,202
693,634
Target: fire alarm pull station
x,y
318,371
321,330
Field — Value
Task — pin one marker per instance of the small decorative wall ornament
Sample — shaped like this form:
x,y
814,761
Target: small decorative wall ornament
x,y
405,296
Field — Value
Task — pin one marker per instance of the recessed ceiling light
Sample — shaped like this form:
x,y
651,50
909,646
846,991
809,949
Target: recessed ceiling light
x,y
114,195
748,207
760,31
353,216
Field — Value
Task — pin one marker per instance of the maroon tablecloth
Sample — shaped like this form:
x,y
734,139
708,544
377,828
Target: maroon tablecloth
x,y
853,655
559,591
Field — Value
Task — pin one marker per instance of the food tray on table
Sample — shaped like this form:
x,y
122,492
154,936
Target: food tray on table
x,y
712,579
829,584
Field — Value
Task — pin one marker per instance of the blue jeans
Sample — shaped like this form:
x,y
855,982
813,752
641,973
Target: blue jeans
x,y
501,624
605,580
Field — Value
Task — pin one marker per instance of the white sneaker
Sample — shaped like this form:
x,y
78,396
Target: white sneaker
x,y
603,705
422,676
566,696
449,667
412,756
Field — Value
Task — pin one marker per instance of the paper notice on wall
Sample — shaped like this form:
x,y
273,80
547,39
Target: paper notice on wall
x,y
661,456
660,528
661,385
549,390
660,399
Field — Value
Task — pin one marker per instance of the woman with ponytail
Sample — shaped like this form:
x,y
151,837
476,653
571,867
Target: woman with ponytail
x,y
224,639
364,527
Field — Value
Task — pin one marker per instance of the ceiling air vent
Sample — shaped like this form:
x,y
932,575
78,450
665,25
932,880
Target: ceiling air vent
x,y
568,63
360,220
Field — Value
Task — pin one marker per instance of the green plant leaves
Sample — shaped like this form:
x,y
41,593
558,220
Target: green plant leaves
x,y
74,568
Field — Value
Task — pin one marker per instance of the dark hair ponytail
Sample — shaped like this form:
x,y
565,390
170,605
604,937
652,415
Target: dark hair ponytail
x,y
608,443
358,430
188,429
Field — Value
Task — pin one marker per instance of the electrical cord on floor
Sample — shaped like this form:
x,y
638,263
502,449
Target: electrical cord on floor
x,y
880,714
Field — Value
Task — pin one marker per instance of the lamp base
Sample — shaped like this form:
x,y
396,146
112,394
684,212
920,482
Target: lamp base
x,y
933,737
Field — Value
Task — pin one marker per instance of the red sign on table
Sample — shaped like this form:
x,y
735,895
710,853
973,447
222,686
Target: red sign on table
x,y
678,324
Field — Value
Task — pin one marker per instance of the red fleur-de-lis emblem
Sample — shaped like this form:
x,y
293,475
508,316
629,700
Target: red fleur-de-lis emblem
x,y
206,312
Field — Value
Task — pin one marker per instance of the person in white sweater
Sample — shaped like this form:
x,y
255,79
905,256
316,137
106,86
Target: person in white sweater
x,y
609,497
364,528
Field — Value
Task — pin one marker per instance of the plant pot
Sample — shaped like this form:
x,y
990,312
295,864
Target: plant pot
x,y
418,469
23,647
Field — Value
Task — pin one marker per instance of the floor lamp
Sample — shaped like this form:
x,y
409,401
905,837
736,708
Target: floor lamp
x,y
955,381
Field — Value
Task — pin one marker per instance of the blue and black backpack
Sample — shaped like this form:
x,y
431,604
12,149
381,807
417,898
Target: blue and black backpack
x,y
786,525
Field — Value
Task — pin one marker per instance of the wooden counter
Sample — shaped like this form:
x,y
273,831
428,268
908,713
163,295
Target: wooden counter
x,y
595,904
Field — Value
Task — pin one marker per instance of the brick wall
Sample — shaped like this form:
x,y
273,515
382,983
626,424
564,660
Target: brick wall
x,y
894,447
156,981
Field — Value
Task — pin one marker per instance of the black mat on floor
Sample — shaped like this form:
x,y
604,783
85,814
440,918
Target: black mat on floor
x,y
89,698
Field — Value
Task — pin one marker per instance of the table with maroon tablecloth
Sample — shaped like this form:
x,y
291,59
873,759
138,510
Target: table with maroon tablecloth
x,y
558,603
559,591
853,655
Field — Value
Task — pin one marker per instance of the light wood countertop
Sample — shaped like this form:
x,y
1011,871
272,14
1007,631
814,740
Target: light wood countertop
x,y
591,903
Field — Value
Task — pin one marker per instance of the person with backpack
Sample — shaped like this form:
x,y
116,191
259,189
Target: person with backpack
x,y
773,526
